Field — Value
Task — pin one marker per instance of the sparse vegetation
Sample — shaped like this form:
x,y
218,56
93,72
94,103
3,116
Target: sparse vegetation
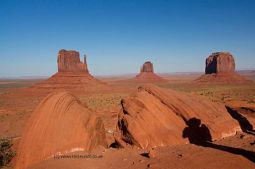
x,y
106,101
218,93
251,101
13,85
21,114
6,153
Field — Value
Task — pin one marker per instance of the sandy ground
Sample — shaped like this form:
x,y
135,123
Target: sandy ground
x,y
228,153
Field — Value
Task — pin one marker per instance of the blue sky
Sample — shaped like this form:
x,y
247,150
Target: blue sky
x,y
118,36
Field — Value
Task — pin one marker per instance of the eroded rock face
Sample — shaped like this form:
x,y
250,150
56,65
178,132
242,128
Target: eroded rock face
x,y
158,117
60,124
69,61
220,62
147,67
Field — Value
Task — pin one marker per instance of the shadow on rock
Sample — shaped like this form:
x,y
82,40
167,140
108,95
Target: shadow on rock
x,y
196,132
245,125
199,134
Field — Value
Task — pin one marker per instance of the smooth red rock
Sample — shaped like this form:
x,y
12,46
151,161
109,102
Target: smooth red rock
x,y
158,117
60,124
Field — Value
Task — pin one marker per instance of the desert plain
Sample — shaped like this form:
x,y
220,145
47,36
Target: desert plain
x,y
130,121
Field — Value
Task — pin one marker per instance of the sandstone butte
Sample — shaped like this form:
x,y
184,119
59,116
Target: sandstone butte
x,y
147,74
154,117
59,124
220,68
72,74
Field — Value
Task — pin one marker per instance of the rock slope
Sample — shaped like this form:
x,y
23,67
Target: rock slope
x,y
157,117
60,124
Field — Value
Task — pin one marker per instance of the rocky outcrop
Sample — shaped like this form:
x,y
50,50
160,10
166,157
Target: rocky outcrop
x,y
220,62
147,74
60,124
220,68
157,117
69,61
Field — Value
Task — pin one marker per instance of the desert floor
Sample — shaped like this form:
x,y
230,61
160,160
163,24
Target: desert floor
x,y
17,103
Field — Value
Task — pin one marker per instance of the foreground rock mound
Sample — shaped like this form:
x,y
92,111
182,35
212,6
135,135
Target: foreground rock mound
x,y
72,75
220,68
147,74
157,117
60,124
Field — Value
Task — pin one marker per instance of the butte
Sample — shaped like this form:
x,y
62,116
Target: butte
x,y
72,75
147,74
220,68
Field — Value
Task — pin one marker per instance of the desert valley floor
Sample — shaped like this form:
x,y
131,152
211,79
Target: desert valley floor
x,y
18,100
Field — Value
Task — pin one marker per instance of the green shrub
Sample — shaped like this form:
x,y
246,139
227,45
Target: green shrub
x,y
6,153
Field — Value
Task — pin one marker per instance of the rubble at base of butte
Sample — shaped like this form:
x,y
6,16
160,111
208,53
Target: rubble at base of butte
x,y
220,68
154,117
147,74
59,125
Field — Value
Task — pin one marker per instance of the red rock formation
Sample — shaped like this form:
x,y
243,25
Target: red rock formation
x,y
147,74
220,62
72,75
60,124
220,68
147,67
157,117
69,61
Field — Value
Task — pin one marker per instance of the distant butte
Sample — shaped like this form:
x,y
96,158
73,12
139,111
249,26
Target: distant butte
x,y
220,68
147,74
147,67
69,61
220,62
72,74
